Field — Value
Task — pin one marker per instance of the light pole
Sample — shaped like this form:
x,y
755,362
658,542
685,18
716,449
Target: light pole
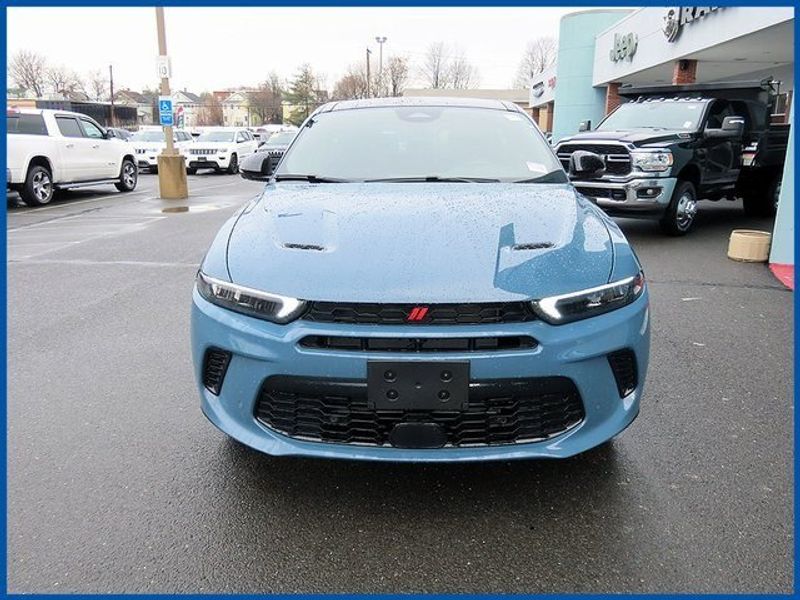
x,y
368,53
111,90
381,40
172,183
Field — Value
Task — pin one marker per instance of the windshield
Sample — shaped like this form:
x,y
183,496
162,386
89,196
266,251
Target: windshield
x,y
421,142
654,115
147,136
281,139
216,136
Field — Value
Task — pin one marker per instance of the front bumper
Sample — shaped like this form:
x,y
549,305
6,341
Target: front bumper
x,y
630,197
214,161
578,351
147,161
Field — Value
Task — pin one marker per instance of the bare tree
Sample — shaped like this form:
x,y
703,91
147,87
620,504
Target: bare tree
x,y
210,112
63,81
461,74
27,70
265,102
434,66
98,85
353,84
540,53
397,69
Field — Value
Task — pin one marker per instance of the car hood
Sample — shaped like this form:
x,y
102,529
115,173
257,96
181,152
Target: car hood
x,y
213,145
148,145
420,242
639,137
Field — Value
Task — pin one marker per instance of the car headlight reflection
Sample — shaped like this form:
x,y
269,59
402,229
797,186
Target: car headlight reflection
x,y
567,308
254,303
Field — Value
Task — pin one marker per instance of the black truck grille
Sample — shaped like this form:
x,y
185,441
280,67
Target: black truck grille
x,y
403,344
498,412
617,157
435,314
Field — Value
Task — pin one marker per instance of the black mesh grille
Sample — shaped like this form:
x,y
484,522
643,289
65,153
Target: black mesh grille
x,y
499,411
372,344
623,365
215,364
437,314
617,157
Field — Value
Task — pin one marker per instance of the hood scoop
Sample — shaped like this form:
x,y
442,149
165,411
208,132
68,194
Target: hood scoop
x,y
532,246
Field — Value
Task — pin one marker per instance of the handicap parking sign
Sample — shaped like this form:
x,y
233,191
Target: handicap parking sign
x,y
165,111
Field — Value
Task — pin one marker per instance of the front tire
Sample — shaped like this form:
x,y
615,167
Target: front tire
x,y
128,177
233,166
38,188
758,204
679,216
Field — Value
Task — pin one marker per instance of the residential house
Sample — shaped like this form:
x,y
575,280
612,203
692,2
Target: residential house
x,y
144,103
236,109
191,106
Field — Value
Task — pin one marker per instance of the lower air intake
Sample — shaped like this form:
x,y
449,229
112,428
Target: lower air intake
x,y
215,365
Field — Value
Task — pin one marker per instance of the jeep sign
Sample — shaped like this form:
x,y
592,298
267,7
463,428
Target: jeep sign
x,y
624,46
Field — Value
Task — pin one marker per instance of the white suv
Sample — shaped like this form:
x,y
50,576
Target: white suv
x,y
57,149
219,148
149,143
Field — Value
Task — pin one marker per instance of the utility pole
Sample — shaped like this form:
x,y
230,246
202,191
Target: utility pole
x,y
172,183
111,88
162,50
381,40
368,53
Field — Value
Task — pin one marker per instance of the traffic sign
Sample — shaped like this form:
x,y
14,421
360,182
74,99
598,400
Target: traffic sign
x,y
164,67
165,111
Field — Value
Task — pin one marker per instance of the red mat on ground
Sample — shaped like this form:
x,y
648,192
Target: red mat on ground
x,y
784,273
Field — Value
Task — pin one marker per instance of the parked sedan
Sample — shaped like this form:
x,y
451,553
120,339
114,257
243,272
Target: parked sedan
x,y
220,149
419,281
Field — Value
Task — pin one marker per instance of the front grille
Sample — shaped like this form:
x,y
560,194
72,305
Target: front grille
x,y
215,365
201,151
616,157
462,344
499,412
623,365
437,314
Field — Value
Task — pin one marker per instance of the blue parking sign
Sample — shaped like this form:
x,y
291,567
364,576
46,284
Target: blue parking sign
x,y
165,111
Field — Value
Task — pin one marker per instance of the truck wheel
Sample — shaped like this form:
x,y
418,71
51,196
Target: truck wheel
x,y
128,177
233,166
191,170
38,188
760,204
679,216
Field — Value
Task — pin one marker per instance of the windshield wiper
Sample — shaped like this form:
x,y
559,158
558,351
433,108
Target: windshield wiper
x,y
309,178
433,179
551,177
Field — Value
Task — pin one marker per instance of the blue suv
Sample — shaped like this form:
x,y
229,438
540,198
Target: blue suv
x,y
419,281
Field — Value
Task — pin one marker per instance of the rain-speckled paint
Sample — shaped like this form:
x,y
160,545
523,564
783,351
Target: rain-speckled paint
x,y
421,243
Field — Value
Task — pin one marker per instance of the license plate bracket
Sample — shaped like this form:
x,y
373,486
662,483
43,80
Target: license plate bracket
x,y
416,385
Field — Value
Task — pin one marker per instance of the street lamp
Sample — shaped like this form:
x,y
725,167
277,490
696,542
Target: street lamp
x,y
380,40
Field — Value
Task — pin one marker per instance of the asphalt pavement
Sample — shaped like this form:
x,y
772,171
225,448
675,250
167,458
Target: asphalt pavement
x,y
117,483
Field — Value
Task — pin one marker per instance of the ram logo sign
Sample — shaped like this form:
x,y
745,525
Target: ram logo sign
x,y
676,17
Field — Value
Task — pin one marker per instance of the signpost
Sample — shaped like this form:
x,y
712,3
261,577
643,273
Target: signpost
x,y
165,111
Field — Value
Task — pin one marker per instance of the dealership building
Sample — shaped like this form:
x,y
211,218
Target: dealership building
x,y
601,50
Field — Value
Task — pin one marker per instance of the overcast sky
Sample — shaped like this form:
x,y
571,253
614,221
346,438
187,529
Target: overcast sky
x,y
216,48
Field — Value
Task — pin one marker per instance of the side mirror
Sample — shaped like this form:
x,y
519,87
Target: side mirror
x,y
108,134
258,166
586,164
732,127
585,126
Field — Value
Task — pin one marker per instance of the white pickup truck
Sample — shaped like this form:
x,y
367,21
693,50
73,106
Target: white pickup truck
x,y
57,149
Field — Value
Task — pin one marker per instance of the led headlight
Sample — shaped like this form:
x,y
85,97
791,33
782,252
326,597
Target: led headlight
x,y
254,303
566,308
656,160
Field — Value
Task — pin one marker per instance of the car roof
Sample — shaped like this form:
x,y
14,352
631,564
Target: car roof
x,y
426,101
